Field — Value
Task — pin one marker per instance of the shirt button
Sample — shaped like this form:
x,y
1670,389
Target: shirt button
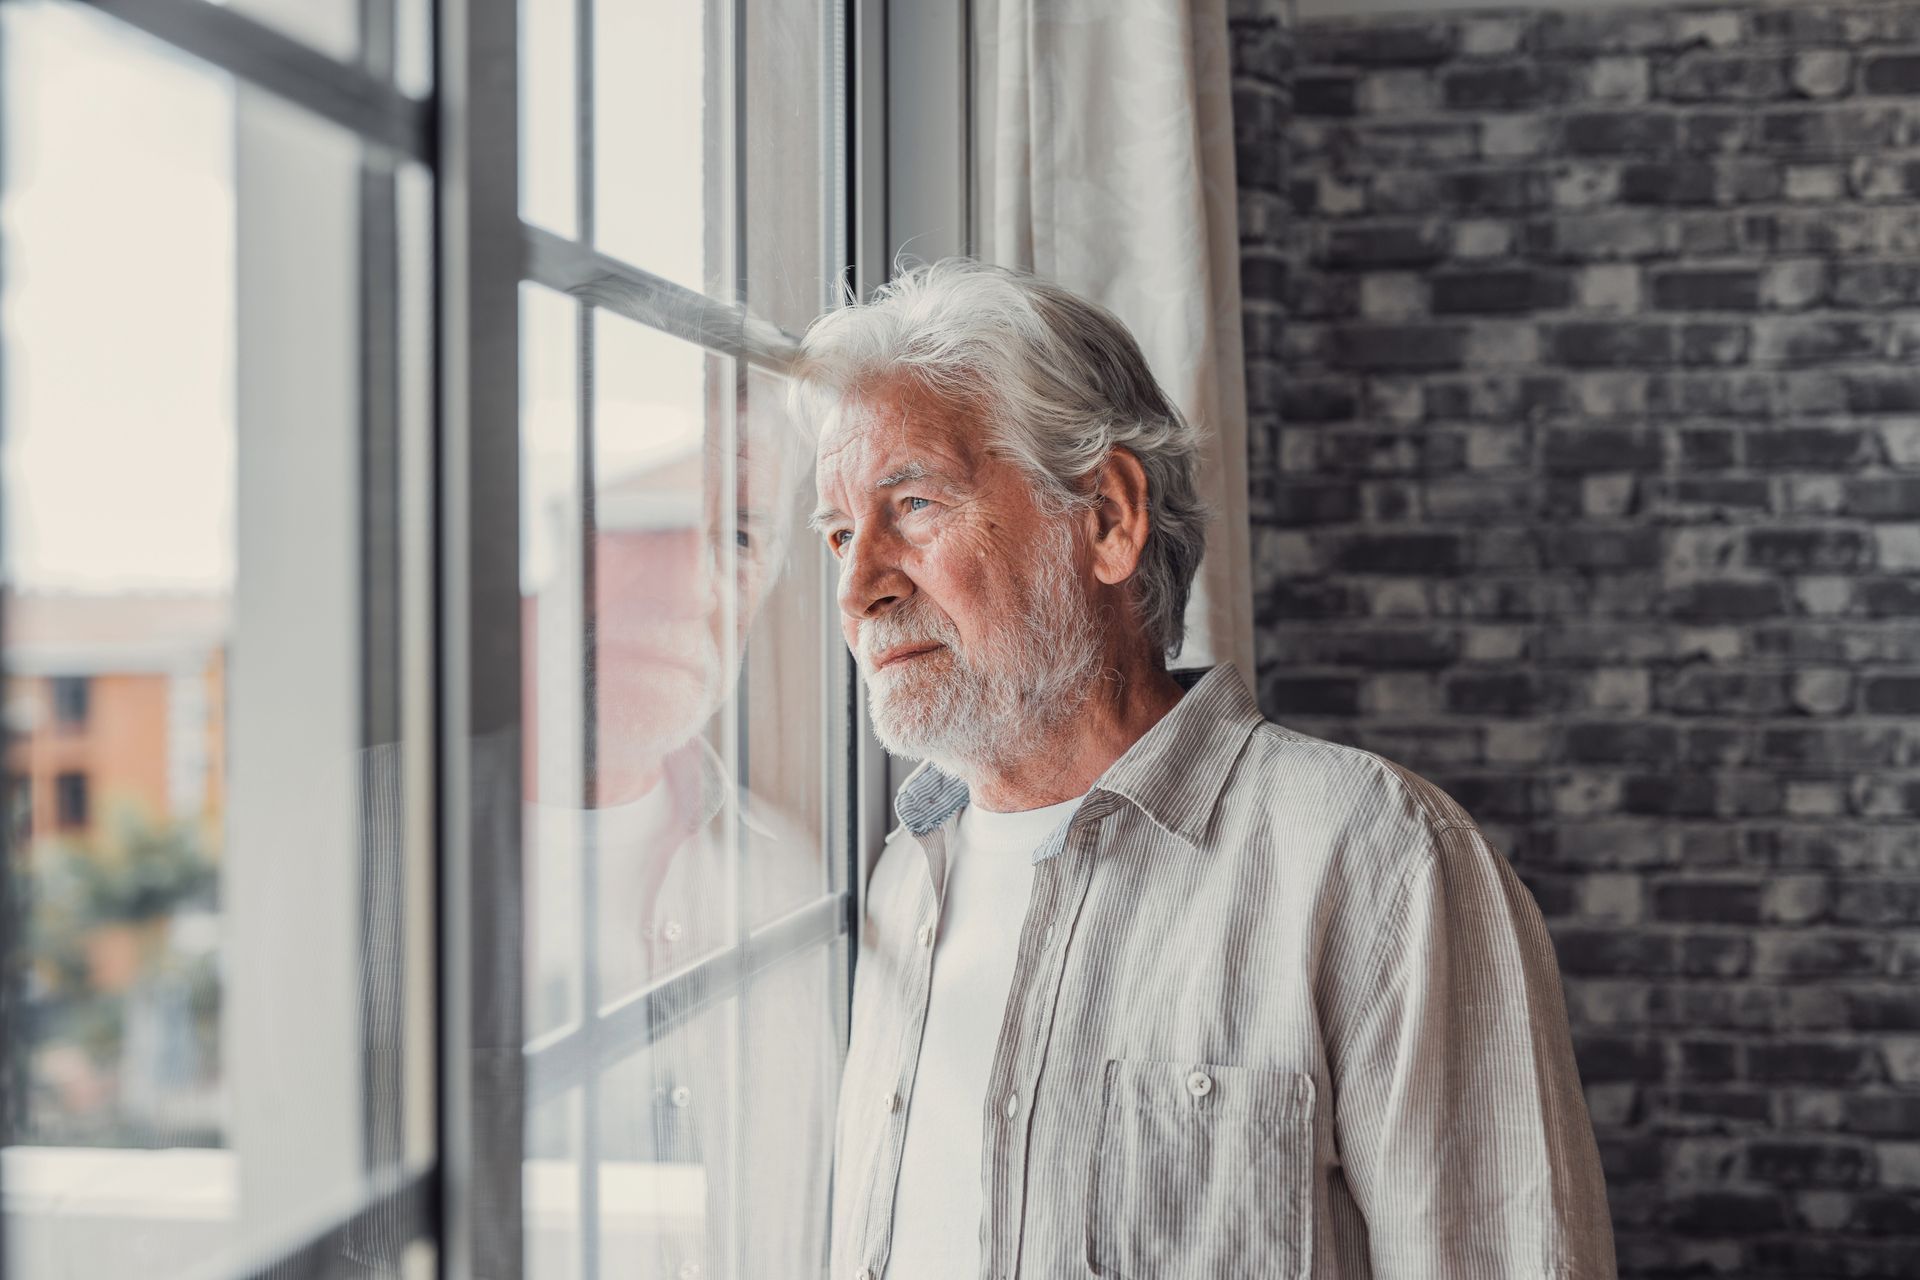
x,y
1199,1084
681,1095
892,1103
1013,1105
926,935
672,931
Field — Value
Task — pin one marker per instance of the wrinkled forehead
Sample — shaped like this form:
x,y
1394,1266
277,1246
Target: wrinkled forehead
x,y
870,433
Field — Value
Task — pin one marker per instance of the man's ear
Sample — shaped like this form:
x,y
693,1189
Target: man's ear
x,y
1119,520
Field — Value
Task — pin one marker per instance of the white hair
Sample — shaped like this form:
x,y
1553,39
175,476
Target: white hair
x,y
1056,381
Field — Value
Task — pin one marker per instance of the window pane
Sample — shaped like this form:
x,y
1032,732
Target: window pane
x,y
795,162
214,582
661,114
549,152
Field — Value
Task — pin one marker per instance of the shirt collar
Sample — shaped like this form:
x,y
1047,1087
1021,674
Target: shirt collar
x,y
1174,773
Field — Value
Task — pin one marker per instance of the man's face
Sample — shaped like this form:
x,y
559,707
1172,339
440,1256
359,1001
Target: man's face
x,y
965,601
674,602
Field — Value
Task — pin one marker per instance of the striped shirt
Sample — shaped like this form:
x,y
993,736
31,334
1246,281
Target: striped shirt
x,y
1278,1009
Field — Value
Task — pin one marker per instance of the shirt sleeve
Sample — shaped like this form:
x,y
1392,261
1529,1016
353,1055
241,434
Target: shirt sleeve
x,y
1458,1113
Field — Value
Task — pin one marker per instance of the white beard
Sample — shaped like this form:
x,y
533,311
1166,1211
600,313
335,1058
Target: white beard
x,y
964,711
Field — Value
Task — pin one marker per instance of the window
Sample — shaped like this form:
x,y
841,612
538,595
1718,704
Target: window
x,y
685,743
216,503
70,700
70,799
444,591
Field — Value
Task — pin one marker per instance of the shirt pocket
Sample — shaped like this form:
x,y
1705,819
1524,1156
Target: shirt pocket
x,y
1201,1170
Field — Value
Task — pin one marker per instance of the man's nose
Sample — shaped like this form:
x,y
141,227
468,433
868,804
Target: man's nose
x,y
871,580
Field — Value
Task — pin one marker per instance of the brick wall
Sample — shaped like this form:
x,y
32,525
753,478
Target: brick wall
x,y
1585,468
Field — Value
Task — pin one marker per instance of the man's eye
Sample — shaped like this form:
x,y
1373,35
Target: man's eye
x,y
924,503
838,538
743,539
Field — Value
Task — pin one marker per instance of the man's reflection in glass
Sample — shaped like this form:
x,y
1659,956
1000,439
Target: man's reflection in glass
x,y
684,857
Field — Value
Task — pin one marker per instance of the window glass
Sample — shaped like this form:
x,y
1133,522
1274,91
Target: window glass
x,y
661,110
684,684
212,658
549,109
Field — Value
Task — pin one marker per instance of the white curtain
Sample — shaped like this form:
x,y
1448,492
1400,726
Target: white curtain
x,y
1104,137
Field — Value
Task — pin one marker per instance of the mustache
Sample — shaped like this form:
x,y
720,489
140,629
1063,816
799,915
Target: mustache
x,y
913,623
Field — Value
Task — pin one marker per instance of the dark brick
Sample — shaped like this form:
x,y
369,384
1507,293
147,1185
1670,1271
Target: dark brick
x,y
1801,549
1885,1115
1285,695
1621,742
1809,1062
1492,292
1812,448
1578,449
1292,598
1318,400
1688,796
1883,1010
1391,245
1709,1061
1504,88
1612,1057
1728,493
1882,392
1809,1164
1377,44
1725,600
1706,448
1667,184
1492,190
1713,289
1824,131
1707,901
1617,133
1889,597
1891,695
1578,548
1883,498
1378,648
1613,952
1302,502
1603,343
1887,1213
1892,73
1400,553
1499,693
1723,1213
1397,346
1323,95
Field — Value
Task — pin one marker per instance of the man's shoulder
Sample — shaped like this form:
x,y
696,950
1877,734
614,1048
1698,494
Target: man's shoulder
x,y
1304,783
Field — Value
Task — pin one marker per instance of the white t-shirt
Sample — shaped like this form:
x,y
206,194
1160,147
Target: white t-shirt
x,y
989,880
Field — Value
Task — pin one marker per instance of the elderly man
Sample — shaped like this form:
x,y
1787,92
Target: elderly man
x,y
1148,986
